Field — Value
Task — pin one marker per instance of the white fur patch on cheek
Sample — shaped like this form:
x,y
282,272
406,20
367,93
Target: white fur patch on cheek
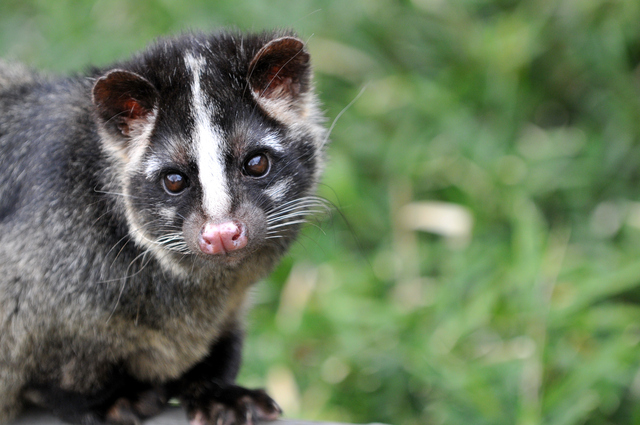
x,y
208,142
278,191
167,213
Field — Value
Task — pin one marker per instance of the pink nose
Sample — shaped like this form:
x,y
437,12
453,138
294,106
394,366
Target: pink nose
x,y
222,238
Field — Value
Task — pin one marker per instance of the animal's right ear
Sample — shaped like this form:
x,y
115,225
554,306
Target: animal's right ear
x,y
126,103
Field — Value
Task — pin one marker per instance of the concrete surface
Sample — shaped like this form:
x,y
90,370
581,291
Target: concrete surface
x,y
172,416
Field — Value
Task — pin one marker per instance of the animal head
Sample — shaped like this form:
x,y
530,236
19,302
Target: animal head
x,y
216,143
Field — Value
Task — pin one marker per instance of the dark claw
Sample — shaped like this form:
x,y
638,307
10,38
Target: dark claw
x,y
122,413
131,411
220,415
150,403
264,406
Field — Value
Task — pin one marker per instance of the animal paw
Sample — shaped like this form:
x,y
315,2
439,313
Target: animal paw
x,y
232,405
131,411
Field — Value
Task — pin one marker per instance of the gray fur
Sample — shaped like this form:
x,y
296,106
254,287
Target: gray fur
x,y
79,289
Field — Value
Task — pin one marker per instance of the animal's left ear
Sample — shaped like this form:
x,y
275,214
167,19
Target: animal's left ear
x,y
280,70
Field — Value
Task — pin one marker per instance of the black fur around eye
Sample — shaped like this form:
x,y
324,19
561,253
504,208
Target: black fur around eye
x,y
256,165
174,183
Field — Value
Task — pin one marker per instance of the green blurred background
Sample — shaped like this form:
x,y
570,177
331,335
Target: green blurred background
x,y
482,264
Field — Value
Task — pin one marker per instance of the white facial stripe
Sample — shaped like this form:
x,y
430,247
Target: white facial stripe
x,y
272,141
208,145
279,190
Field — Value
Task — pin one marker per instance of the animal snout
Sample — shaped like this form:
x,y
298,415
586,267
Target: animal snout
x,y
221,238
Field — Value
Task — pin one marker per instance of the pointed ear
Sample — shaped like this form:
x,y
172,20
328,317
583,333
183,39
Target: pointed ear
x,y
125,102
280,70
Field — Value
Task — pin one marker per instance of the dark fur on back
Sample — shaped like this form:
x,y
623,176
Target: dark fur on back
x,y
102,284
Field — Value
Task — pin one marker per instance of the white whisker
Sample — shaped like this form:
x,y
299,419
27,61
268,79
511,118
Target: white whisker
x,y
294,214
289,223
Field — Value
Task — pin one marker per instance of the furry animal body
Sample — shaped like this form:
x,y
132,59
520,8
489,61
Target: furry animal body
x,y
138,204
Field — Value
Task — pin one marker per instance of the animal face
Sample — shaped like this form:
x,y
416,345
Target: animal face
x,y
219,144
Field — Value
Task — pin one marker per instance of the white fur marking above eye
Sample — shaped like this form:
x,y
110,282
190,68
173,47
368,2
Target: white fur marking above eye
x,y
208,146
279,190
272,141
153,166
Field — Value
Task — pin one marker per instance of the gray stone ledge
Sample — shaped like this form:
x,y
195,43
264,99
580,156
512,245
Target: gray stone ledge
x,y
172,416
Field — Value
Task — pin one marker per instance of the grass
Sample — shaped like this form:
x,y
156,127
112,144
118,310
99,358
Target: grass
x,y
523,113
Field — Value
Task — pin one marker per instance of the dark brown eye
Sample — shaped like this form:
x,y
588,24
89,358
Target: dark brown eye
x,y
256,165
174,183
